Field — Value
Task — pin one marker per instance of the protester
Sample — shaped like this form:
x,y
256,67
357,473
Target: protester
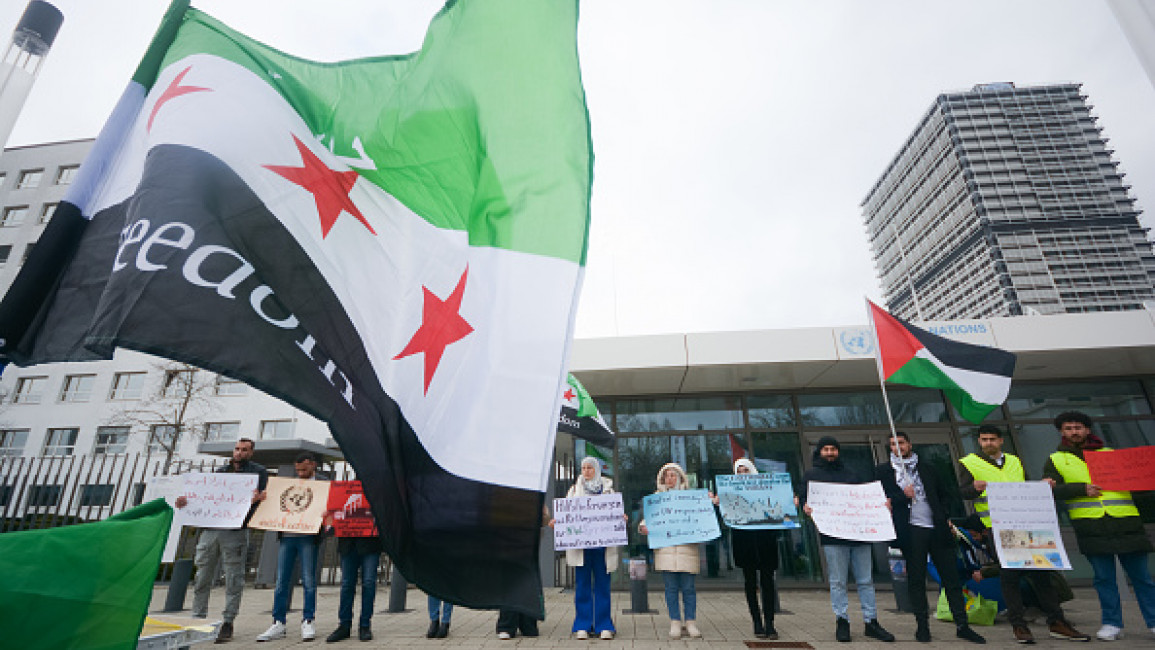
x,y
510,622
361,554
1107,524
918,507
679,563
294,546
756,553
231,545
842,555
440,613
992,465
592,568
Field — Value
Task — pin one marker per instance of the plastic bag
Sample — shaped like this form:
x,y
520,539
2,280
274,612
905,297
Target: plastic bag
x,y
980,611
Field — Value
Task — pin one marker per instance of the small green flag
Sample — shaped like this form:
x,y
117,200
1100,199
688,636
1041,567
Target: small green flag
x,y
83,586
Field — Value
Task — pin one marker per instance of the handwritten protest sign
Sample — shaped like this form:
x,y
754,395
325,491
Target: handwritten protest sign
x,y
589,522
167,488
855,512
217,500
351,514
293,505
1025,526
1122,469
680,517
757,501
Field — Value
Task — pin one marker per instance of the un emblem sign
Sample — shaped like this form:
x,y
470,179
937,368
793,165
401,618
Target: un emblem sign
x,y
858,342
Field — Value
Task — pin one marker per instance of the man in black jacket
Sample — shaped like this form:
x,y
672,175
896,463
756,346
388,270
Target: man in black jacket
x,y
917,496
843,555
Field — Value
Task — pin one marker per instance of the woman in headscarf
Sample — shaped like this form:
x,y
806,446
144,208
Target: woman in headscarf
x,y
756,552
592,566
679,563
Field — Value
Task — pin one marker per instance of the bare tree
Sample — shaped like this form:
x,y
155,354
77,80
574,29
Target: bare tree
x,y
176,411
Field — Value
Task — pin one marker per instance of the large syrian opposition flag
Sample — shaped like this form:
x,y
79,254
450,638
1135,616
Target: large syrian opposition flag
x,y
580,417
975,378
393,245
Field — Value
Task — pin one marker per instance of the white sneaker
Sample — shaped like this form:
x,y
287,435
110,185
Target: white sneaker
x,y
1109,633
692,630
504,636
275,631
308,631
581,635
607,635
675,629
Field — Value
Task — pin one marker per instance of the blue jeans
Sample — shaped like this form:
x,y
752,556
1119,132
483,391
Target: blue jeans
x,y
839,561
291,549
351,563
440,610
1135,566
591,596
679,581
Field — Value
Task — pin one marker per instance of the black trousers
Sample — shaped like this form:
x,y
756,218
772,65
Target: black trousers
x,y
1011,580
767,583
922,543
514,622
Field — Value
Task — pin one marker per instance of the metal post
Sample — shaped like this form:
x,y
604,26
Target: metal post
x,y
398,587
181,572
639,596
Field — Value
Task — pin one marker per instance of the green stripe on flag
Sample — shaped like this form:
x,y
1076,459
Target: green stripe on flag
x,y
82,586
923,373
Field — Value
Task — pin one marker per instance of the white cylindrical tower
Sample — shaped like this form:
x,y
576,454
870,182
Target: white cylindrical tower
x,y
30,43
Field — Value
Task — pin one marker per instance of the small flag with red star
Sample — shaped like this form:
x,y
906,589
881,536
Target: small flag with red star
x,y
580,417
393,245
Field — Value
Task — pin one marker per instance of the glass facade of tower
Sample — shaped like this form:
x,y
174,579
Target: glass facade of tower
x,y
1006,201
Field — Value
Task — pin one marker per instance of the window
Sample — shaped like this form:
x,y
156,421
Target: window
x,y
96,495
12,441
28,390
682,414
29,179
60,442
46,212
66,174
3,177
227,386
178,382
13,215
77,388
276,429
27,252
162,439
5,251
111,440
222,431
5,495
127,385
44,495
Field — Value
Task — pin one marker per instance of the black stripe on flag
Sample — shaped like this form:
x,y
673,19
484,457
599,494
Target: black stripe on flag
x,y
967,356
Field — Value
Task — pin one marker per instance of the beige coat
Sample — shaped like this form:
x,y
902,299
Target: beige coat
x,y
682,558
575,556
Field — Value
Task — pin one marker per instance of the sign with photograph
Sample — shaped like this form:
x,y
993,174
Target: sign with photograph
x,y
351,514
680,517
854,512
589,522
757,501
1026,526
293,505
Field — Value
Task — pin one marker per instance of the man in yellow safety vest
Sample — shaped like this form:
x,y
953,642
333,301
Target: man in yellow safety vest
x,y
991,465
1107,524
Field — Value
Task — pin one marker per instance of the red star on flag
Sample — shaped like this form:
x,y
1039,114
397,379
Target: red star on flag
x,y
173,91
441,324
329,187
569,395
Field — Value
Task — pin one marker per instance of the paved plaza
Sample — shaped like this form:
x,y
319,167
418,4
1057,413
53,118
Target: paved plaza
x,y
722,616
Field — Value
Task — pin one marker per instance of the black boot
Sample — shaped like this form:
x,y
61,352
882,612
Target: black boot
x,y
443,631
431,633
922,631
771,633
842,630
339,634
964,631
768,591
759,630
876,631
755,613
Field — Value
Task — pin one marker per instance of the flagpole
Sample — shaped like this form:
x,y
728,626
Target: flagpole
x,y
882,382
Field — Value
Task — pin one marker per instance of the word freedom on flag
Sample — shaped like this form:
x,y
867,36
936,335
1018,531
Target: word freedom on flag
x,y
393,245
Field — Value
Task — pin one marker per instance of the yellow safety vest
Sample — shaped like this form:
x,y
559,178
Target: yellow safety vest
x,y
1074,470
981,470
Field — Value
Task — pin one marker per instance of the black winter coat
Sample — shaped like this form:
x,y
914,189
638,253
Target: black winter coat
x,y
936,494
755,549
824,471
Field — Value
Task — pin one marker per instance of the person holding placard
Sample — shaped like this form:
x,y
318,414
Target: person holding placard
x,y
679,563
919,510
1107,524
843,555
756,553
991,465
592,566
230,545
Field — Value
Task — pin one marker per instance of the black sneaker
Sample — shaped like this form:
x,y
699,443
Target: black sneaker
x,y
965,632
876,631
339,634
771,633
431,633
842,630
225,634
922,631
443,630
365,633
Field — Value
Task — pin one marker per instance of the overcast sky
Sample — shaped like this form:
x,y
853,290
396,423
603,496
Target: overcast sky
x,y
734,139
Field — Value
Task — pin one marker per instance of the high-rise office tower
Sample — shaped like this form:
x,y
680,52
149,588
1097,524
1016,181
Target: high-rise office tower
x,y
1007,201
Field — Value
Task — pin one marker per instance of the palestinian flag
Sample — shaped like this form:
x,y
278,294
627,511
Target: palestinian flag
x,y
82,586
393,245
580,417
975,378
